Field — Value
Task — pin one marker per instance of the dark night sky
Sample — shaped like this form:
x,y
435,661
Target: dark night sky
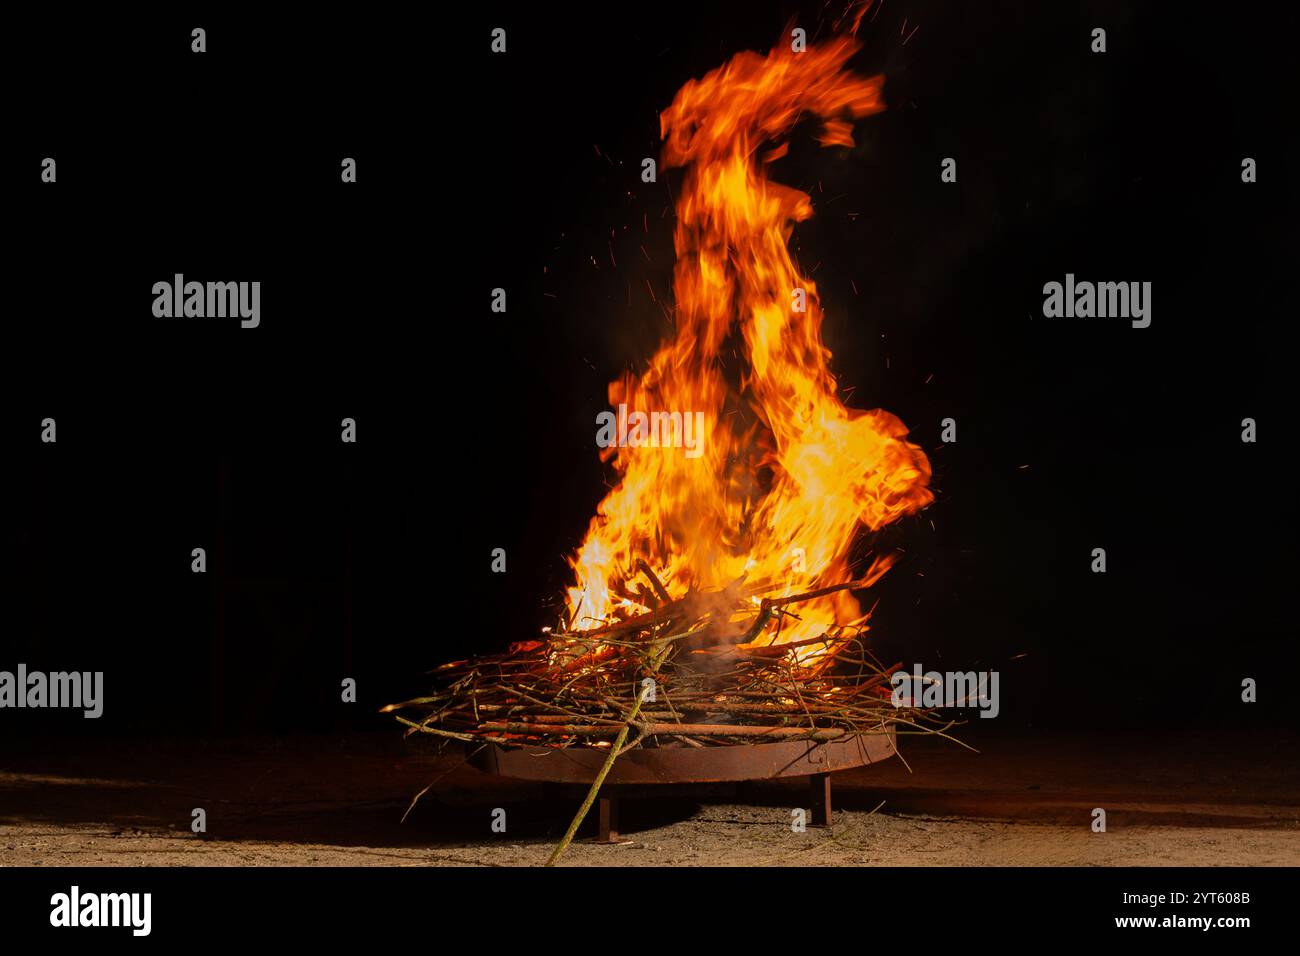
x,y
476,430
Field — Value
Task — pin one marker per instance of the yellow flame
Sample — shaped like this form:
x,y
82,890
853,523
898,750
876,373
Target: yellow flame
x,y
782,499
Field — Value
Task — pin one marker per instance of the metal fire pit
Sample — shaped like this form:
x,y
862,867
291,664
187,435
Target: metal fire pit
x,y
816,760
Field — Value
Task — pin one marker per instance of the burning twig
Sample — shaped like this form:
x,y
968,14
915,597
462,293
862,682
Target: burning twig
x,y
729,678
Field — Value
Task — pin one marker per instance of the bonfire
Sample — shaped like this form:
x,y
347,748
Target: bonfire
x,y
716,595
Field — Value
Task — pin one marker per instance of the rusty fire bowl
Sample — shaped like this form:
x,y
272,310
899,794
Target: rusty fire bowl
x,y
669,765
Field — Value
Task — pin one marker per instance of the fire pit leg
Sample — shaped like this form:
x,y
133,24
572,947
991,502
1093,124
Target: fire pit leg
x,y
608,813
821,799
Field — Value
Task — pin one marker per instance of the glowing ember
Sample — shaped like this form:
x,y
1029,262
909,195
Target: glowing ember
x,y
788,474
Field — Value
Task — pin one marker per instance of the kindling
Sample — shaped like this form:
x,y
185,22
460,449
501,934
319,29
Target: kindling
x,y
212,300
1102,300
103,909
59,689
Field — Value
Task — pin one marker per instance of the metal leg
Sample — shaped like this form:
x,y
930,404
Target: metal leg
x,y
821,799
608,812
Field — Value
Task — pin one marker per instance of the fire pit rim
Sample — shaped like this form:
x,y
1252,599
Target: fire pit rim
x,y
736,762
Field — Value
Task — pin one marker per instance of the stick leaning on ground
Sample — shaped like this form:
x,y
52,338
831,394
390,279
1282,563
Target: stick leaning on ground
x,y
614,750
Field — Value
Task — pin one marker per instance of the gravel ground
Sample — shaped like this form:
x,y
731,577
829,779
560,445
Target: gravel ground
x,y
327,801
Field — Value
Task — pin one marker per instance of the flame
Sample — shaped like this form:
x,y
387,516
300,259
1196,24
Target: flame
x,y
788,475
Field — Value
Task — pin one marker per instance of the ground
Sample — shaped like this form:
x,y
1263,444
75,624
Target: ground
x,y
1022,800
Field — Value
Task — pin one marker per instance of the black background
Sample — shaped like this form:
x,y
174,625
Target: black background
x,y
475,430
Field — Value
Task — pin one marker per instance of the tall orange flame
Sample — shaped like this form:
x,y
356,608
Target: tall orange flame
x,y
781,499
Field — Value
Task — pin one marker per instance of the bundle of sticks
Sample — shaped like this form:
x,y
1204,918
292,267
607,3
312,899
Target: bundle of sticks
x,y
704,670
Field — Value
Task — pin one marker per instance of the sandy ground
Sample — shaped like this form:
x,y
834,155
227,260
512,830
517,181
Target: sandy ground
x,y
330,801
